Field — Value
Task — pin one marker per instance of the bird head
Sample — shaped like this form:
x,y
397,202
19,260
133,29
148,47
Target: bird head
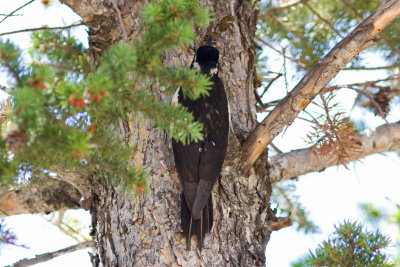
x,y
206,60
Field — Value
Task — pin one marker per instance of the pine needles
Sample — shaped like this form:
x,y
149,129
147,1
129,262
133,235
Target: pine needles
x,y
332,136
62,111
350,245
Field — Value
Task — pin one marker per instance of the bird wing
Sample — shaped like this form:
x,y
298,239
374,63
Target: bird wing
x,y
187,159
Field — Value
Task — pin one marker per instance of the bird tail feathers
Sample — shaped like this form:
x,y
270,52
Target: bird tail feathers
x,y
196,227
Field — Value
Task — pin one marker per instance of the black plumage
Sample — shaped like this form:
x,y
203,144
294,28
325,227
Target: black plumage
x,y
199,163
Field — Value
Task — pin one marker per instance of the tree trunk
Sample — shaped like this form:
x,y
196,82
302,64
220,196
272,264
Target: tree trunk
x,y
145,230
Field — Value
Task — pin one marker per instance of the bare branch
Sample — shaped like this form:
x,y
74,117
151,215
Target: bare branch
x,y
15,15
359,15
322,19
44,28
66,228
50,255
311,84
363,84
286,27
281,222
21,7
394,66
299,61
271,81
273,10
297,162
378,108
39,197
121,22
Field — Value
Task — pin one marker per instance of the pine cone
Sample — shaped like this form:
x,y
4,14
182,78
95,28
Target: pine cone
x,y
382,98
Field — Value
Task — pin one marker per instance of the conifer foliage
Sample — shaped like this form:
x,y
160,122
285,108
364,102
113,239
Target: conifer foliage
x,y
62,114
350,245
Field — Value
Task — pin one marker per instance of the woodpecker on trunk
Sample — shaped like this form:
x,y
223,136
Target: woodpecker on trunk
x,y
199,163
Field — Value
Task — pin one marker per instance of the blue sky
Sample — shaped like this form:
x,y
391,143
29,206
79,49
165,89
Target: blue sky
x,y
331,196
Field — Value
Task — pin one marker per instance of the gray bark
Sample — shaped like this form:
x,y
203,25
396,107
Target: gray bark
x,y
51,255
301,161
39,197
145,231
363,36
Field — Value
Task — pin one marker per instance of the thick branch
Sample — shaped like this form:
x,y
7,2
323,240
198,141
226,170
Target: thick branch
x,y
302,161
50,255
318,78
86,9
39,197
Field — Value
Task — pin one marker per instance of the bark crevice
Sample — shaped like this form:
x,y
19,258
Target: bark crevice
x,y
145,230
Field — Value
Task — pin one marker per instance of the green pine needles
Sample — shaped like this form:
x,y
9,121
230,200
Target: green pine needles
x,y
62,115
350,245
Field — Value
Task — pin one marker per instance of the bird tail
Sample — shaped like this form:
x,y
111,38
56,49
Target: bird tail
x,y
196,227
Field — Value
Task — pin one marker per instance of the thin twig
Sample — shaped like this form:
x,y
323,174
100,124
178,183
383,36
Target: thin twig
x,y
295,60
273,10
50,255
285,70
363,84
321,18
12,13
379,109
66,68
374,68
286,27
121,22
316,80
292,206
44,28
16,15
263,106
271,81
258,97
277,150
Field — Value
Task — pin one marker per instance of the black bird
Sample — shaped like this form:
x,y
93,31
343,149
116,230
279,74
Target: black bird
x,y
199,163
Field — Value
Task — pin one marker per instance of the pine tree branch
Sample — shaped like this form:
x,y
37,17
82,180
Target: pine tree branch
x,y
360,16
39,197
50,255
297,162
315,80
44,28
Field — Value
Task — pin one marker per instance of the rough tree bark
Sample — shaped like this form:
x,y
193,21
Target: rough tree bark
x,y
301,161
39,197
145,231
56,195
363,36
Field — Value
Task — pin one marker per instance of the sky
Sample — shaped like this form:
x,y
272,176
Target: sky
x,y
35,231
330,197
